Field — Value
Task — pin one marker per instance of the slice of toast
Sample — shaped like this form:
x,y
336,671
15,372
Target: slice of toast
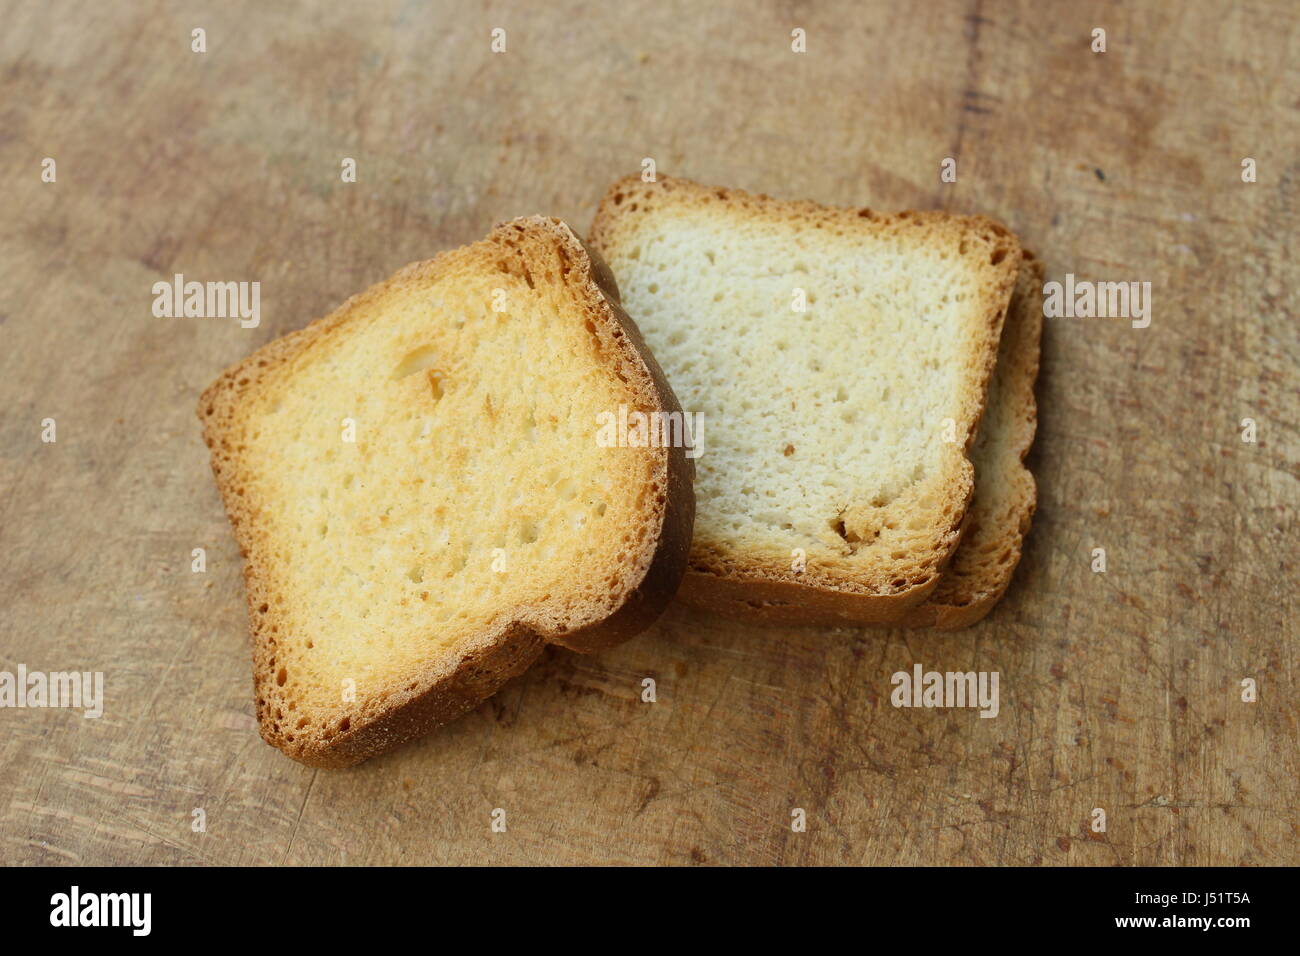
x,y
1005,494
839,358
422,499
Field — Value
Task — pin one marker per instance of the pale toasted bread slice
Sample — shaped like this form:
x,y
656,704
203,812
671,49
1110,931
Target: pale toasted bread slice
x,y
398,578
1005,493
835,478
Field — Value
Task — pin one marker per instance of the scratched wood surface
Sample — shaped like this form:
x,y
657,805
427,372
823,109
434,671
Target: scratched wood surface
x,y
1119,691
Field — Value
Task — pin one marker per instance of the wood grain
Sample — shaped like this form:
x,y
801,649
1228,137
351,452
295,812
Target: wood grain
x,y
1119,690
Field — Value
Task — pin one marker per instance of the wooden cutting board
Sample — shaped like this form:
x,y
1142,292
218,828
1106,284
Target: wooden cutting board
x,y
1120,691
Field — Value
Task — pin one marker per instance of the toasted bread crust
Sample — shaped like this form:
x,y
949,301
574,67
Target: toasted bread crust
x,y
982,567
448,689
668,564
752,588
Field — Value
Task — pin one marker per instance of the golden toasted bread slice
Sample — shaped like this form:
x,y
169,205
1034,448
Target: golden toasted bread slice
x,y
418,488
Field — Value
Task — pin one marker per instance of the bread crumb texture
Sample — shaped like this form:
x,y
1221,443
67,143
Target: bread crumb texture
x,y
828,428
472,518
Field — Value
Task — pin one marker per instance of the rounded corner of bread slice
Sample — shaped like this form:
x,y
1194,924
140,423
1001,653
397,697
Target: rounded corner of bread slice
x,y
424,499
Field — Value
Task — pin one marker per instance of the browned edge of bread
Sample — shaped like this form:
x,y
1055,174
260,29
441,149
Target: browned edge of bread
x,y
760,595
488,660
971,586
